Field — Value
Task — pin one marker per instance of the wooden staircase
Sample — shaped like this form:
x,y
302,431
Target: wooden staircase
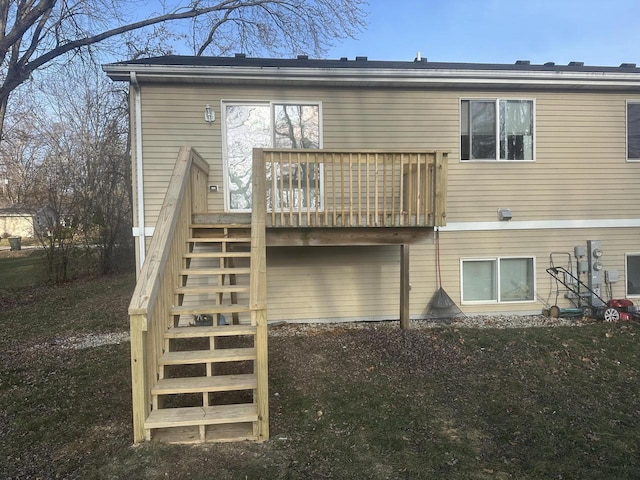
x,y
207,374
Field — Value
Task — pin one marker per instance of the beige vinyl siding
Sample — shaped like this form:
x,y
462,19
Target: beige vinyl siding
x,y
333,283
580,146
579,172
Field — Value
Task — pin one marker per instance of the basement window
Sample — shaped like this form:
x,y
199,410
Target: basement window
x,y
498,280
496,129
633,274
633,130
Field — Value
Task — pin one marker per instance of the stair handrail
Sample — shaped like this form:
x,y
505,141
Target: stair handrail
x,y
153,295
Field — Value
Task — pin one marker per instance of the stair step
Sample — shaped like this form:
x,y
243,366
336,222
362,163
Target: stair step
x,y
212,289
214,226
210,331
219,383
213,415
227,432
219,240
208,356
209,309
215,271
217,255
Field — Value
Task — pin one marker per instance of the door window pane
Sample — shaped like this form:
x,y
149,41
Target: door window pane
x,y
247,127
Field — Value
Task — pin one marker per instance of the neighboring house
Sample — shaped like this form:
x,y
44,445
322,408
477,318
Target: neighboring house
x,y
540,159
17,221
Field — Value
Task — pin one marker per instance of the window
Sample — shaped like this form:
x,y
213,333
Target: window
x,y
496,129
498,280
633,130
255,125
633,274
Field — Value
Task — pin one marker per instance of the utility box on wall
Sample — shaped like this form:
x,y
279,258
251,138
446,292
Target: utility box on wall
x,y
594,254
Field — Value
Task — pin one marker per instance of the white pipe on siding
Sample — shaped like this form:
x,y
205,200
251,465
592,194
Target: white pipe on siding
x,y
139,171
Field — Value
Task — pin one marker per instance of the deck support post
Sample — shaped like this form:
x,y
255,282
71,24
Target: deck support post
x,y
404,286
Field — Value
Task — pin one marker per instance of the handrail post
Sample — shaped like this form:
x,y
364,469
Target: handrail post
x,y
258,289
440,189
139,390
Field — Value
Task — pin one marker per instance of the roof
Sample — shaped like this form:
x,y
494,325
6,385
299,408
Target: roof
x,y
364,72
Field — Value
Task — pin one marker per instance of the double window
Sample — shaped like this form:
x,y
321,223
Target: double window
x,y
633,130
496,129
498,280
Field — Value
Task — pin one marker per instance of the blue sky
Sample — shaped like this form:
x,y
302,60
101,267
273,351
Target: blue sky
x,y
597,32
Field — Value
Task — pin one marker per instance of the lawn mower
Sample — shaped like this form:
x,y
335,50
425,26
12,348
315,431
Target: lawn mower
x,y
609,311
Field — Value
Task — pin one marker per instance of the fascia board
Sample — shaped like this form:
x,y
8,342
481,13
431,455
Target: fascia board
x,y
373,77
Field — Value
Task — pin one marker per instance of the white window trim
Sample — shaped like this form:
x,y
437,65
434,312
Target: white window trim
x,y
626,132
497,101
626,275
270,104
497,301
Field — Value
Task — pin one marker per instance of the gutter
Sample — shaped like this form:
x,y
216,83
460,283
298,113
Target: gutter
x,y
140,231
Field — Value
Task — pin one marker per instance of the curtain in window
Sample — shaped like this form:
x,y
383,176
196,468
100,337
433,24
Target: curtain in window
x,y
516,130
483,130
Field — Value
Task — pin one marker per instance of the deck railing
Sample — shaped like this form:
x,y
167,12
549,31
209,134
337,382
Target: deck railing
x,y
353,188
153,297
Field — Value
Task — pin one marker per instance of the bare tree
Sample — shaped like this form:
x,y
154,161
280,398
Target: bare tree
x,y
35,33
67,162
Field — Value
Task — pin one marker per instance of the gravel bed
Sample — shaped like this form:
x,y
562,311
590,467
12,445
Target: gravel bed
x,y
90,340
476,321
278,329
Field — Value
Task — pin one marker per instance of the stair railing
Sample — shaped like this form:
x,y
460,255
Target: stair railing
x,y
149,310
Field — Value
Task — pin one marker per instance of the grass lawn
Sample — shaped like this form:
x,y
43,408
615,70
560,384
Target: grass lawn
x,y
346,403
21,269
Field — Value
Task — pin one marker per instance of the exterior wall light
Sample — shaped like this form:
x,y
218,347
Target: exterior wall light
x,y
209,114
504,214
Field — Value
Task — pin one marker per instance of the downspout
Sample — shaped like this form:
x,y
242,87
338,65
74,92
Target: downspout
x,y
139,171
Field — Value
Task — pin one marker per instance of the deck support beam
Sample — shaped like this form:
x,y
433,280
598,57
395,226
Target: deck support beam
x,y
405,286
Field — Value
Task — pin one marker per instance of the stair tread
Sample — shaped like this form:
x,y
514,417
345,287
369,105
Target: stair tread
x,y
218,383
217,255
205,356
209,309
218,239
212,289
211,415
224,432
220,225
210,331
215,271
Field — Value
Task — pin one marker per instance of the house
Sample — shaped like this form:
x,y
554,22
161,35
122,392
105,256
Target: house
x,y
490,173
16,221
